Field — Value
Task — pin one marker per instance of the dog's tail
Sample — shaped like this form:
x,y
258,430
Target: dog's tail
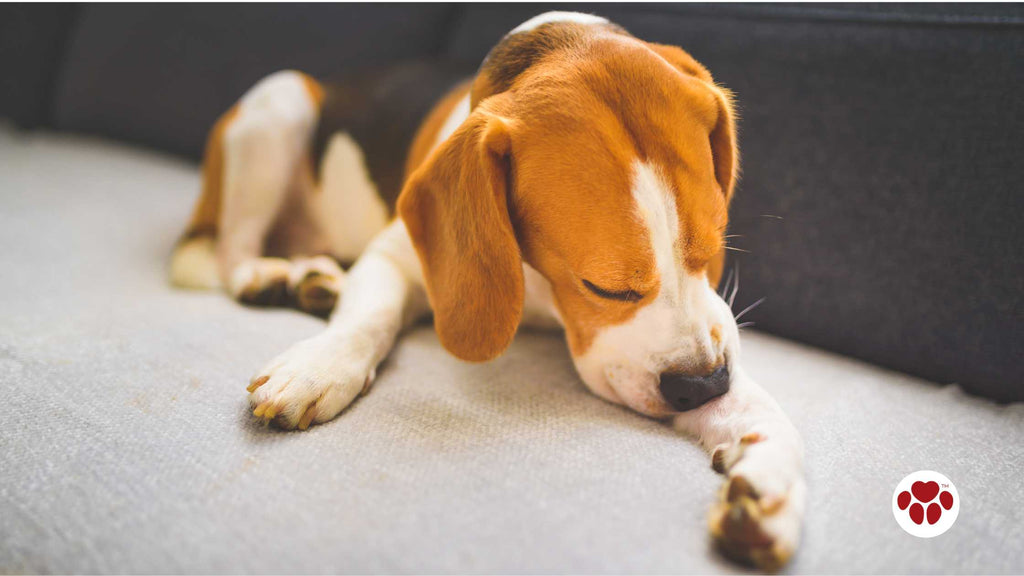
x,y
194,261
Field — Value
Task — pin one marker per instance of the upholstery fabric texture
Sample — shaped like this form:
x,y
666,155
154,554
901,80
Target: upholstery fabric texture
x,y
127,445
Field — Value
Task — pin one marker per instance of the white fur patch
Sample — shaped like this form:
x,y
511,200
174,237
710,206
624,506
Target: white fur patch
x,y
773,466
262,148
556,16
673,332
348,207
455,119
656,206
329,370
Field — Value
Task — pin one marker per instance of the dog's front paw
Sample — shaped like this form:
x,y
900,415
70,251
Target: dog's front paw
x,y
760,508
311,382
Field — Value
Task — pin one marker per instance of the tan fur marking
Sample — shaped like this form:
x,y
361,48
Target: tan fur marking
x,y
316,94
454,207
316,91
725,153
206,213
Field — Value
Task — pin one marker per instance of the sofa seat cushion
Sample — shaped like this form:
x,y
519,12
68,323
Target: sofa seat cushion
x,y
127,445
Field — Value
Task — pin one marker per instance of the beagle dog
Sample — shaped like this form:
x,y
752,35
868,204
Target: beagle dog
x,y
581,178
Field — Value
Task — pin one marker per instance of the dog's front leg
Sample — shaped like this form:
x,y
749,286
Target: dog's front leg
x,y
317,378
757,516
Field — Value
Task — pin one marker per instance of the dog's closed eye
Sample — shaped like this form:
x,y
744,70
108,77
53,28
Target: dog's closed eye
x,y
622,295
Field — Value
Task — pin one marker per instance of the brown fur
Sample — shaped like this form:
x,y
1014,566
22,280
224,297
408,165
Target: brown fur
x,y
582,103
206,214
723,137
455,208
315,89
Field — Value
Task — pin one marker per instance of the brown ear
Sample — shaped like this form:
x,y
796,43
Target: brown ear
x,y
723,134
455,207
723,143
724,152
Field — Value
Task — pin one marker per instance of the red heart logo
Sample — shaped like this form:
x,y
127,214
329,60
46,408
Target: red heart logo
x,y
925,491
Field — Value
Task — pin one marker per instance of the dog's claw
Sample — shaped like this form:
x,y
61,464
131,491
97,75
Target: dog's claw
x,y
311,382
307,417
751,438
257,383
771,504
718,458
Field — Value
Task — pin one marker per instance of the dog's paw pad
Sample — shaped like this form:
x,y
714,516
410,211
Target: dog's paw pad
x,y
741,526
757,515
316,284
261,282
317,295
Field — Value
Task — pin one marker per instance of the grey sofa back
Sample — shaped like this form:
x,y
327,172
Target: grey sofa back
x,y
879,206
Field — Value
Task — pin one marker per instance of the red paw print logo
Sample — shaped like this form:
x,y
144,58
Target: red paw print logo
x,y
925,504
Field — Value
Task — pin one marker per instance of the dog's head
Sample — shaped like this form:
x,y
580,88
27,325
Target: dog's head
x,y
606,164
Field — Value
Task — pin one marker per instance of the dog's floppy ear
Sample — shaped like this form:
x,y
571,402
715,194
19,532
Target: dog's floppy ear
x,y
455,207
723,134
722,138
723,142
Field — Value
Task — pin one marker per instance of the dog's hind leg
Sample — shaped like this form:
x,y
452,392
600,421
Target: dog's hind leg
x,y
263,149
251,163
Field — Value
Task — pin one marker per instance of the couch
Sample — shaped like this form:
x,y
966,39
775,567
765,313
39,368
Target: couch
x,y
879,207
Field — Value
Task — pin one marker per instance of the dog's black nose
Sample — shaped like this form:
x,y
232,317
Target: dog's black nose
x,y
688,391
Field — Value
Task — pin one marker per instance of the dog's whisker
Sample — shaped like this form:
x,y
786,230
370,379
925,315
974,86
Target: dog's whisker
x,y
735,286
749,308
771,216
737,249
725,285
744,325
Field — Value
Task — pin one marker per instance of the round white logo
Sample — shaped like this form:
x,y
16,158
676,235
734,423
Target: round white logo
x,y
925,504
